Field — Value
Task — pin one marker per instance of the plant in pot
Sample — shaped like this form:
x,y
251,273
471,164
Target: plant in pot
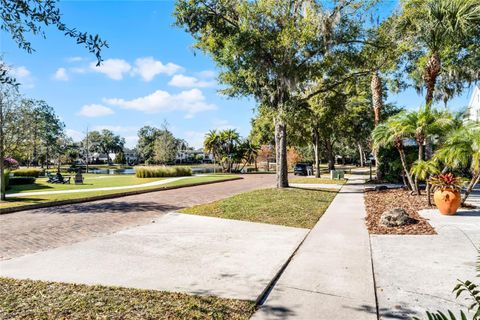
x,y
447,192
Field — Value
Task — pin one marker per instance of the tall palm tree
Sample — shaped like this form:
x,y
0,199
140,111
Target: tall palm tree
x,y
442,30
212,143
391,133
462,148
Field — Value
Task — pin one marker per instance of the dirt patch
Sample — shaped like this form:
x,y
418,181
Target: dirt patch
x,y
377,202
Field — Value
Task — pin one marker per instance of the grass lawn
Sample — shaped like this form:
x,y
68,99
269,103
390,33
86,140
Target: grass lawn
x,y
27,299
32,199
317,181
289,207
90,181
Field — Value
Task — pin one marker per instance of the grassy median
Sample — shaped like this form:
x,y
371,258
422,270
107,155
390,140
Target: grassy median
x,y
27,299
291,207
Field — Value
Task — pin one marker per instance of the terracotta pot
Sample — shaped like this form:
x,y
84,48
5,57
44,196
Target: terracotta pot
x,y
447,200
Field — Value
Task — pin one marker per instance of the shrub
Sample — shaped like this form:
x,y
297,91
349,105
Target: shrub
x,y
29,172
10,163
21,180
162,171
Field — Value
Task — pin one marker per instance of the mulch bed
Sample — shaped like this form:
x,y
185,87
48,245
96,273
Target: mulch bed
x,y
377,202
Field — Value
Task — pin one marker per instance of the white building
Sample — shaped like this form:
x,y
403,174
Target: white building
x,y
192,155
473,111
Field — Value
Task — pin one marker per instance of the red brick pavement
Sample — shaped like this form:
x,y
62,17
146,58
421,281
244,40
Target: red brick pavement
x,y
37,230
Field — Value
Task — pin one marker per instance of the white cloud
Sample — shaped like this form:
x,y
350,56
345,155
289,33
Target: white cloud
x,y
61,74
112,68
95,110
23,76
75,134
148,68
179,80
191,101
207,74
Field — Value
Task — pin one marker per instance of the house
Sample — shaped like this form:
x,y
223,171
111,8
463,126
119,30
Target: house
x,y
193,156
473,111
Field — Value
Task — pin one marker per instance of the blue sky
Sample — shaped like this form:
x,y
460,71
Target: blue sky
x,y
150,74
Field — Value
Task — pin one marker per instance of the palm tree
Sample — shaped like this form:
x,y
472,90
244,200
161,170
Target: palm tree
x,y
229,138
423,124
462,148
441,29
391,133
423,170
212,143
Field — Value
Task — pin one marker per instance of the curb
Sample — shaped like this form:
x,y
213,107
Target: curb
x,y
104,197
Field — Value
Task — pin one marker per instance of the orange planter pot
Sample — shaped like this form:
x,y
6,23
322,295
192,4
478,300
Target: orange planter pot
x,y
447,201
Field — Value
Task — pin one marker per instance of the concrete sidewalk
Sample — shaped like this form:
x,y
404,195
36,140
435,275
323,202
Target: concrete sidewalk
x,y
179,252
330,277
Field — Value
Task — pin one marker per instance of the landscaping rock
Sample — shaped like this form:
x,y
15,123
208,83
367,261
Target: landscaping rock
x,y
394,218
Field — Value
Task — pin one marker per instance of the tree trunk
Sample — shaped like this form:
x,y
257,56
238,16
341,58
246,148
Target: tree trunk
x,y
405,169
376,88
330,155
2,169
46,158
281,152
377,102
420,150
429,196
432,70
316,149
471,185
360,153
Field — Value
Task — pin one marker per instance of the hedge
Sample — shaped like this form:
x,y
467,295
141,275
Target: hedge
x,y
162,171
28,172
21,180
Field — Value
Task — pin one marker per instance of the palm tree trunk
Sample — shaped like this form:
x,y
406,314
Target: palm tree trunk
x,y
473,182
281,152
405,169
420,150
432,70
377,102
429,197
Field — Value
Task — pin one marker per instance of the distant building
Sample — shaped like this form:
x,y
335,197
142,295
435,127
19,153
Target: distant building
x,y
473,111
193,156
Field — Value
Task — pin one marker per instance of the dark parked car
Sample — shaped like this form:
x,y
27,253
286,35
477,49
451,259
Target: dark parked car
x,y
303,169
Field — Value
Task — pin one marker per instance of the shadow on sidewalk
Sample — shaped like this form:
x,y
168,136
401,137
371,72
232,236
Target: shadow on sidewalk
x,y
124,207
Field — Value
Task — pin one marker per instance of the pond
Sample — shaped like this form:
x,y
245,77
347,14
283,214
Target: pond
x,y
195,170
112,171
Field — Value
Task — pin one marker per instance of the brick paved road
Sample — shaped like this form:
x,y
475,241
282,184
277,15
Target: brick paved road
x,y
37,230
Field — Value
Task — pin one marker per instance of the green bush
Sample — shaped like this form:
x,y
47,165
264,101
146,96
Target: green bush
x,y
21,180
162,171
28,172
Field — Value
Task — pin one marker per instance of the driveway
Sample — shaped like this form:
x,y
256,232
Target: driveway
x,y
37,230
